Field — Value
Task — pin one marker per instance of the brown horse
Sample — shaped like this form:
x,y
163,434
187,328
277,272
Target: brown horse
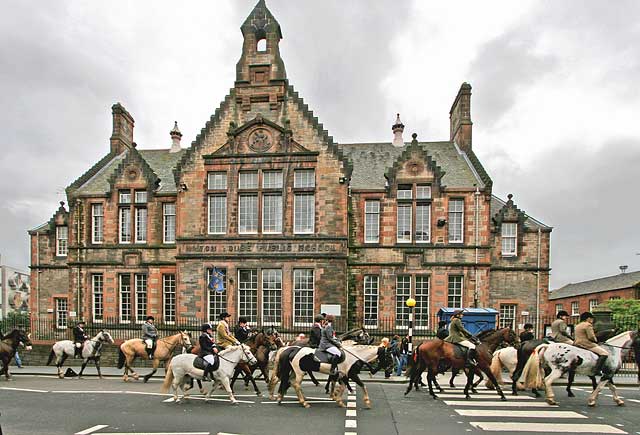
x,y
429,355
9,346
131,349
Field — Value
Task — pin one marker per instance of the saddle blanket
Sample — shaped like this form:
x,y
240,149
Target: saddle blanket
x,y
323,357
200,363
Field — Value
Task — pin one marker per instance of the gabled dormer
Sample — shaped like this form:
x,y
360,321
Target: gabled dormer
x,y
509,223
134,171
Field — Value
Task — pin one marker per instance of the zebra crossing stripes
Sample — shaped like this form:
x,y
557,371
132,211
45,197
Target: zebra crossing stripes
x,y
546,427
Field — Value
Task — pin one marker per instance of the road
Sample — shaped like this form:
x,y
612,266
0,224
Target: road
x,y
45,405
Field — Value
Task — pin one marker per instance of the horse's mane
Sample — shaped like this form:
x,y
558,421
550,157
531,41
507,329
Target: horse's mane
x,y
485,333
613,340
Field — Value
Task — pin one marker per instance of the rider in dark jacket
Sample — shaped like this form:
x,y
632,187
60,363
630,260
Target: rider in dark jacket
x,y
79,337
316,332
527,334
242,330
208,349
443,331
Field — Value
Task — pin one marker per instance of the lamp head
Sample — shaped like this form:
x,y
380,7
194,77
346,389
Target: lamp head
x,y
410,302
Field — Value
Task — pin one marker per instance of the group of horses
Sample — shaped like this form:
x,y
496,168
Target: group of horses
x,y
498,350
525,363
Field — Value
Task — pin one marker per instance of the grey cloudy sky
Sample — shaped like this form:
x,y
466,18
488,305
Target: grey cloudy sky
x,y
555,99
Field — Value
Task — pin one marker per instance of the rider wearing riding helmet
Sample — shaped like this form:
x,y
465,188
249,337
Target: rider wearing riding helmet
x,y
79,337
149,335
316,331
559,328
224,337
208,349
330,344
459,335
242,330
586,339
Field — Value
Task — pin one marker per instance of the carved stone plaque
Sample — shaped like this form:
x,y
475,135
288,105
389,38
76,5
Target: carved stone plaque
x,y
260,140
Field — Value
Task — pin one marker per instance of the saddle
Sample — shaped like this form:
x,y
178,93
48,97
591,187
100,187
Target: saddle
x,y
200,363
460,351
322,356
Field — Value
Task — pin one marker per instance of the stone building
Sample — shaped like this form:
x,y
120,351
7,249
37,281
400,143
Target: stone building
x,y
291,221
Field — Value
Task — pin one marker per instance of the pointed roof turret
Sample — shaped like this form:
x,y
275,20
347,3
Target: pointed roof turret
x,y
176,135
261,19
398,129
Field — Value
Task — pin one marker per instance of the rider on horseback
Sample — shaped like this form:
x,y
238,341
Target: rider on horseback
x,y
316,331
208,349
559,328
149,335
330,344
459,335
79,337
242,331
224,337
586,339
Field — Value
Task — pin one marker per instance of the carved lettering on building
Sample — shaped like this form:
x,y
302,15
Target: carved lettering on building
x,y
274,248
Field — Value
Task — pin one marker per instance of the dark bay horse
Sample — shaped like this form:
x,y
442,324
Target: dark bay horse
x,y
429,355
9,346
261,344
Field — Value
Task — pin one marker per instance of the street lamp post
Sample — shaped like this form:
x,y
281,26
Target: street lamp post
x,y
410,303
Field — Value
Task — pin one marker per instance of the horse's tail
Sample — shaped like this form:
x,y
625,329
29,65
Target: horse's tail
x,y
283,370
412,362
52,355
121,358
532,371
168,378
496,369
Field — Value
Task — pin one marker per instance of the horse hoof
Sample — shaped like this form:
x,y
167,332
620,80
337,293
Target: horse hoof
x,y
570,394
136,377
467,397
514,393
619,402
434,397
474,391
504,399
259,394
306,405
235,403
551,402
591,403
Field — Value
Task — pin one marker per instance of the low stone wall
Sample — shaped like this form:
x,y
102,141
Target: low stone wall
x,y
39,354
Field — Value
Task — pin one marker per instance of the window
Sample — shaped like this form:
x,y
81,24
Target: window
x,y
405,192
169,298
62,241
61,313
509,239
248,180
423,192
125,297
97,222
141,296
248,214
303,297
272,180
125,225
372,221
421,309
592,304
217,300
304,179
271,296
423,222
272,213
169,222
404,223
508,316
558,308
454,296
141,197
403,292
304,202
575,308
217,181
97,289
141,224
456,220
124,197
371,301
217,214
248,294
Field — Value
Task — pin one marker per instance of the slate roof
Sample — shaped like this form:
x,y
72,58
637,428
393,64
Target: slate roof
x,y
371,161
161,161
529,222
615,282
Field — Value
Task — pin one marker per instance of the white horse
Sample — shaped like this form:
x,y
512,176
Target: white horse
x,y
300,361
561,357
505,358
91,350
181,372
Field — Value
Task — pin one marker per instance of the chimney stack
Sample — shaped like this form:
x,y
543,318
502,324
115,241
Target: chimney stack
x,y
175,138
460,118
122,134
398,129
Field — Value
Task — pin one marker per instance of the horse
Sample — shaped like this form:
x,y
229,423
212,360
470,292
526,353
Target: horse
x,y
429,354
636,350
181,371
8,347
300,360
91,350
136,347
260,344
563,357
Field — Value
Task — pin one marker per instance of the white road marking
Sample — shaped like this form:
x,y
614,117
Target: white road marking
x,y
634,400
351,433
514,413
351,413
85,392
226,433
447,395
545,427
351,424
29,390
213,399
155,433
349,397
351,404
92,429
144,393
499,404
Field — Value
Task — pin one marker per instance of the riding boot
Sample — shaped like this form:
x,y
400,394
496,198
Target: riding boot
x,y
150,353
334,365
597,371
76,352
207,371
471,359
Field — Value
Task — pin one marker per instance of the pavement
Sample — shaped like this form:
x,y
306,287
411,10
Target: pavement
x,y
39,403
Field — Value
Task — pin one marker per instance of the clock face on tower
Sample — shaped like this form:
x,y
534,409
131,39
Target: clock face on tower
x,y
260,140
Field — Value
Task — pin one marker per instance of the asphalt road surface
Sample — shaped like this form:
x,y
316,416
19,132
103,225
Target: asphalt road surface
x,y
46,405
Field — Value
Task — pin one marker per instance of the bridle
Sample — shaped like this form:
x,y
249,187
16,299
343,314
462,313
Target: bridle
x,y
243,351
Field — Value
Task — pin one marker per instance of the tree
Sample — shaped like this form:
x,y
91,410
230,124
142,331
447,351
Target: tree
x,y
626,312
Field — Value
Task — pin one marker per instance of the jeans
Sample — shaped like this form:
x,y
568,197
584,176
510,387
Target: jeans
x,y
18,360
401,363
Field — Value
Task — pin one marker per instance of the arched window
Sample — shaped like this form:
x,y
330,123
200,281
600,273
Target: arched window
x,y
262,45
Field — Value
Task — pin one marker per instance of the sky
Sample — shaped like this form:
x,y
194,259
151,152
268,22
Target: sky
x,y
555,105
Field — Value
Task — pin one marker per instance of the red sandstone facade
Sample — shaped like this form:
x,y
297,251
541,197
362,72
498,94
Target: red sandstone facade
x,y
295,222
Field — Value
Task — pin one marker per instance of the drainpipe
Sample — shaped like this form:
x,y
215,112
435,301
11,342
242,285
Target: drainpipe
x,y
38,272
538,284
78,238
477,216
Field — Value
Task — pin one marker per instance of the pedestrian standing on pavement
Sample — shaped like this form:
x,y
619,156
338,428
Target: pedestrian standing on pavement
x,y
394,349
386,344
404,355
527,334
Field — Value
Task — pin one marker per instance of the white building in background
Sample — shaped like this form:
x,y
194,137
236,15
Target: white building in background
x,y
14,291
